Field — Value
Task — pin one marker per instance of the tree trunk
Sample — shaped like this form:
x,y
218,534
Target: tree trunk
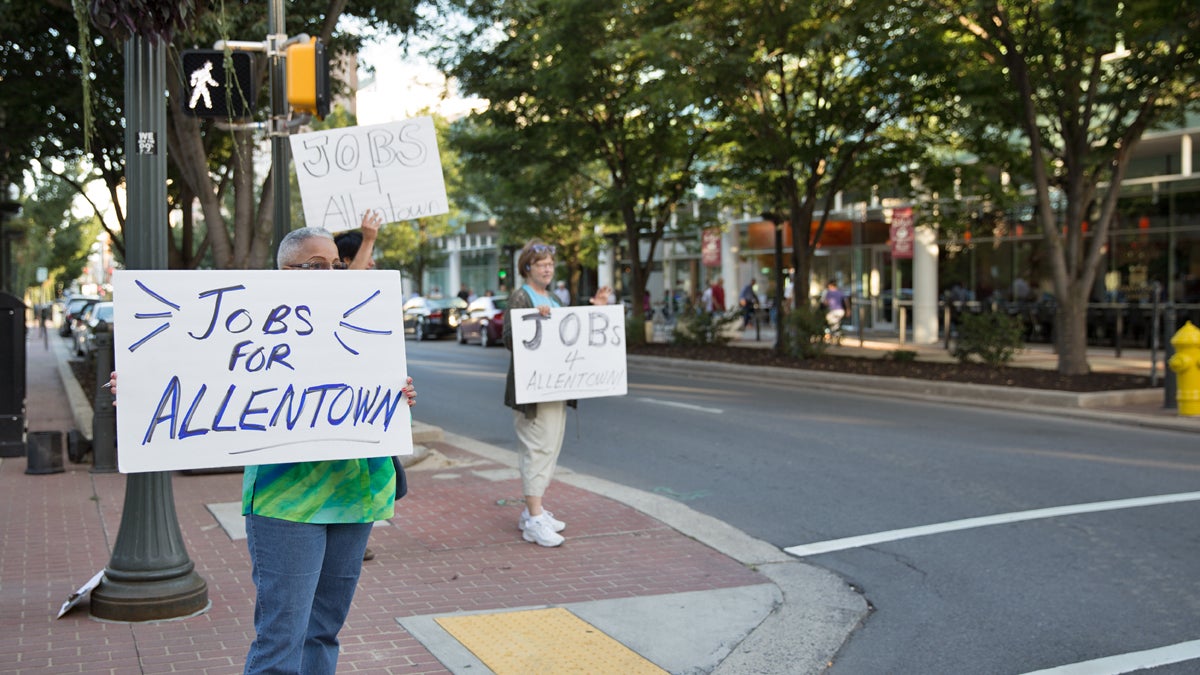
x,y
1071,321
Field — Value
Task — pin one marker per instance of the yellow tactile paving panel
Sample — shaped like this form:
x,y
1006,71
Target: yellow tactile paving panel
x,y
544,642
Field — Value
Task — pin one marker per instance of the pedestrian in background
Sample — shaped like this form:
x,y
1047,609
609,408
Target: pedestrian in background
x,y
836,303
561,292
749,303
539,426
717,290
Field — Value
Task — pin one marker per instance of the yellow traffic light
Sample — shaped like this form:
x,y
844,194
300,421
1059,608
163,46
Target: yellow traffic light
x,y
308,78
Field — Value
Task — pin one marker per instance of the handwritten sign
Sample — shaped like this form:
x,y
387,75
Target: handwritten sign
x,y
392,168
257,367
576,352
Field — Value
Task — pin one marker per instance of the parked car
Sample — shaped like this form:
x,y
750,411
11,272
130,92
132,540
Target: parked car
x,y
432,318
483,321
98,320
71,309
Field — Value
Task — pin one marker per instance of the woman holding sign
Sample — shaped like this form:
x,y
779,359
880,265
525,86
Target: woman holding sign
x,y
539,426
307,525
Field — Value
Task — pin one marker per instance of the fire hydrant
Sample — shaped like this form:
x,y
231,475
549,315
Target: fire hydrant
x,y
1186,364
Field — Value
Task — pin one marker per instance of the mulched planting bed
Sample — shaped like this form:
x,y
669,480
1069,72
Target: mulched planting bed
x,y
1009,376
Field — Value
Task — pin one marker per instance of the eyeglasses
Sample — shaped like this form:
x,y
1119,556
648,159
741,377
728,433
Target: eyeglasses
x,y
542,248
336,265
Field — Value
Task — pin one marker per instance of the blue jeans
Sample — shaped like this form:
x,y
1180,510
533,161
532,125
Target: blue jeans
x,y
305,575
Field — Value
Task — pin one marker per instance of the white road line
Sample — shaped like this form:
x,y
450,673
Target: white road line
x,y
685,406
805,550
1128,663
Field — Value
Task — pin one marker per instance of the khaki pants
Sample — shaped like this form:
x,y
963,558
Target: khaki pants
x,y
539,440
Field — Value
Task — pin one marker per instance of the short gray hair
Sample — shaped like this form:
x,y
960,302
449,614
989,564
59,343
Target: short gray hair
x,y
293,240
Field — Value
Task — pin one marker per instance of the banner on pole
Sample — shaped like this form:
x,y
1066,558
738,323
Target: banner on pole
x,y
903,233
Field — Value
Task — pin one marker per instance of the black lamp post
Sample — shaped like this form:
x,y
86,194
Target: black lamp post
x,y
780,310
149,576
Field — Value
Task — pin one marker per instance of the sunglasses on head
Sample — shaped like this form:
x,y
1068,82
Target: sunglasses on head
x,y
542,248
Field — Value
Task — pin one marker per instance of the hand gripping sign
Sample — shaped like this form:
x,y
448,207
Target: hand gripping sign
x,y
576,352
257,367
392,168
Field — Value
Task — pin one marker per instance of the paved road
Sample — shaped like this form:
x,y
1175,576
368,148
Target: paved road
x,y
796,467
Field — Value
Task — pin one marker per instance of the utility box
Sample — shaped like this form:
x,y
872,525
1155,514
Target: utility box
x,y
12,376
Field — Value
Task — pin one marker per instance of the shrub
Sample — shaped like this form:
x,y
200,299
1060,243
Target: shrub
x,y
994,337
903,355
805,337
697,328
635,330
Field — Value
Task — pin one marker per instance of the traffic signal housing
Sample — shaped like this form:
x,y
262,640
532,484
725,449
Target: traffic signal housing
x,y
308,78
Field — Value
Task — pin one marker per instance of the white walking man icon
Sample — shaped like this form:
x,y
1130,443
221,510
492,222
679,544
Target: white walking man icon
x,y
202,79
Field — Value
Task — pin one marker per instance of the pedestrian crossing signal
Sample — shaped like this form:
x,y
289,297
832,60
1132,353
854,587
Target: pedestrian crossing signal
x,y
212,89
308,78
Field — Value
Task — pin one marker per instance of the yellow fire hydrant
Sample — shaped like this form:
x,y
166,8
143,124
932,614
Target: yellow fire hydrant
x,y
1186,364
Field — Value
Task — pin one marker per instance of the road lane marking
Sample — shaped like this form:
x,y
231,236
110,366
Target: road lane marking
x,y
685,406
817,548
1128,663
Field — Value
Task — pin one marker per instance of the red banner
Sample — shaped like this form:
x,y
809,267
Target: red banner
x,y
710,247
903,233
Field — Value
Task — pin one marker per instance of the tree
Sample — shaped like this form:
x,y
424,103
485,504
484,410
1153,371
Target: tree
x,y
593,90
52,237
1085,80
532,198
43,78
813,99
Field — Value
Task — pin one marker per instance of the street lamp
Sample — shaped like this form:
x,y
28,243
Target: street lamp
x,y
149,576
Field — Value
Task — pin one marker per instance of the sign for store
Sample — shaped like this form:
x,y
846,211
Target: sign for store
x,y
903,233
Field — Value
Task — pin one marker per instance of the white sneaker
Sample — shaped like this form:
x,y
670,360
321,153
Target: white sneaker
x,y
557,524
540,531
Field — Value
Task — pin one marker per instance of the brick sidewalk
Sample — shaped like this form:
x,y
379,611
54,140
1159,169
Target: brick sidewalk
x,y
453,547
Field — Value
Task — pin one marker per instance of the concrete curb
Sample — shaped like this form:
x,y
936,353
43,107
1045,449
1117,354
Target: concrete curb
x,y
81,405
1097,406
816,614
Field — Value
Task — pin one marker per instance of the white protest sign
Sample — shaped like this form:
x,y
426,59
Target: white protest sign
x,y
392,168
255,367
576,352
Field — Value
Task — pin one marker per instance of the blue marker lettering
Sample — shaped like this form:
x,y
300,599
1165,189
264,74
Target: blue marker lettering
x,y
170,398
184,431
221,411
248,411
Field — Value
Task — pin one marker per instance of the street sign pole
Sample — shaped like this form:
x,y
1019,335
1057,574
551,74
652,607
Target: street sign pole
x,y
150,576
280,150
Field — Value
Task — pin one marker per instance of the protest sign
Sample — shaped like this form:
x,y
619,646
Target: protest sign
x,y
254,367
391,168
576,352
